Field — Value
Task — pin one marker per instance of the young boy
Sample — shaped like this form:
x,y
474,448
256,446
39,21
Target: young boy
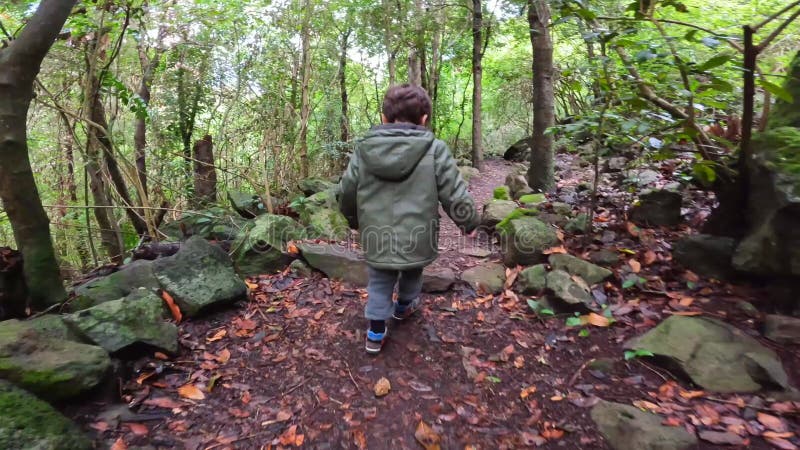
x,y
397,176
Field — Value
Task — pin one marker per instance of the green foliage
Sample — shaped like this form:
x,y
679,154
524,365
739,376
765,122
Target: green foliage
x,y
538,309
518,213
631,354
502,193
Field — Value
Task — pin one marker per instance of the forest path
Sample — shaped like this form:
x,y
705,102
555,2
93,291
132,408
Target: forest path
x,y
287,368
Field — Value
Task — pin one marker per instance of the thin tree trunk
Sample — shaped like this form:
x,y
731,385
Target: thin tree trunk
x,y
345,124
205,174
540,172
436,65
149,66
391,55
477,73
21,61
305,107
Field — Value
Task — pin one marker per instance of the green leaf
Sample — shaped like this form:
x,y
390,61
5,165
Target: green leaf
x,y
574,321
547,312
714,62
494,379
630,354
704,173
629,283
777,91
583,333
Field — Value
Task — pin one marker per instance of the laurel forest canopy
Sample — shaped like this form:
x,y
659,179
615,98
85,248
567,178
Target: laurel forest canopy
x,y
144,111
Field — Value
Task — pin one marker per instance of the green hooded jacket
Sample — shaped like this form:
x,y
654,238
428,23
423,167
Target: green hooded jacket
x,y
397,176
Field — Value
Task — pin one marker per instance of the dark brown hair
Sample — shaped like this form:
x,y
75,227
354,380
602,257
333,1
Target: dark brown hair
x,y
406,103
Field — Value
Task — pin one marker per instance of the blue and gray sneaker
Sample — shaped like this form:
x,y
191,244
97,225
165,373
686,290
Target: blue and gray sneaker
x,y
375,341
404,311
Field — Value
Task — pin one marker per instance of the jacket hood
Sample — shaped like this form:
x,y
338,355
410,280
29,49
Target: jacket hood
x,y
392,151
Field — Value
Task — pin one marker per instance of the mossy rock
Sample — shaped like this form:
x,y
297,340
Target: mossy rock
x,y
523,240
628,428
518,185
495,211
135,319
336,261
570,295
501,193
532,280
517,213
784,113
590,273
529,200
577,225
47,365
260,248
311,186
489,277
138,274
214,223
329,224
27,422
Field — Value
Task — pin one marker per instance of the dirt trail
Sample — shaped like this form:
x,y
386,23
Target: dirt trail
x,y
287,369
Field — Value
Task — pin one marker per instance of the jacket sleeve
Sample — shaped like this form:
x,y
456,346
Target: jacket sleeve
x,y
348,186
453,195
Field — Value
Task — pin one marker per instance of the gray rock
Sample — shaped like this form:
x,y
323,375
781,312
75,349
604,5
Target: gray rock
x,y
519,151
644,177
532,280
300,268
336,261
523,240
135,319
783,329
614,164
578,225
590,273
260,248
311,186
628,428
29,423
437,279
553,219
138,274
748,309
518,185
476,252
48,366
562,209
200,275
468,173
658,208
487,277
250,205
605,257
706,255
213,223
715,355
569,294
495,211
329,224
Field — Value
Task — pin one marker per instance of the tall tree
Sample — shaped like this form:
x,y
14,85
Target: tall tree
x,y
540,172
477,72
21,61
305,101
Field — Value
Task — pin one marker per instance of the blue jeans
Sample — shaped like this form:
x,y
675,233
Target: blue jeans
x,y
381,287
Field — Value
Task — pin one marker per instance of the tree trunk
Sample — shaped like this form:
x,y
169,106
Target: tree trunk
x,y
205,173
149,66
540,172
21,61
477,73
391,55
345,124
305,107
415,53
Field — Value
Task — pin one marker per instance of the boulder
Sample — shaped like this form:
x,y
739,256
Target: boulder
x,y
577,225
329,224
783,329
311,186
532,280
336,261
437,279
495,211
713,354
570,295
47,365
300,268
214,223
468,173
658,208
532,200
27,422
487,277
605,257
200,275
562,209
322,199
629,428
590,273
135,319
772,245
260,248
614,164
523,240
518,185
643,177
247,205
501,193
706,255
138,274
519,151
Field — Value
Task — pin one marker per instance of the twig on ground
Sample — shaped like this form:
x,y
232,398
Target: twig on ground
x,y
578,372
650,368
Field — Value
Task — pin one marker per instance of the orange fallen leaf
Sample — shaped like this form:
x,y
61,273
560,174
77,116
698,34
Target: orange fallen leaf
x,y
251,286
598,320
100,426
672,421
138,429
119,444
217,336
692,394
556,398
163,402
636,266
289,436
141,378
776,435
526,392
173,308
191,391
686,313
427,437
555,250
223,356
686,301
633,230
771,422
161,356
292,249
283,415
782,444
650,257
360,439
382,387
519,362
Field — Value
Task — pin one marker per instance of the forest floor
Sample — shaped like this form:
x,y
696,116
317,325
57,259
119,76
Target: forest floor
x,y
287,368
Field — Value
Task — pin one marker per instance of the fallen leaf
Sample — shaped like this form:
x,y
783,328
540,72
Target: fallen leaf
x,y
138,429
100,426
292,249
217,336
191,391
672,421
246,397
119,444
141,378
556,398
360,439
238,413
598,320
283,415
523,394
633,230
776,435
419,387
289,436
771,422
686,301
782,444
173,308
161,356
650,257
427,437
251,286
163,402
382,387
686,313
519,362
692,394
223,356
636,266
555,250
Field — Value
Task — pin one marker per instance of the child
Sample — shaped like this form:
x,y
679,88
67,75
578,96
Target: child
x,y
397,176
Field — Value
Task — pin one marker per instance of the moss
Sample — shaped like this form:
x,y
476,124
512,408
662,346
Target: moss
x,y
532,199
502,193
26,420
785,113
502,227
779,149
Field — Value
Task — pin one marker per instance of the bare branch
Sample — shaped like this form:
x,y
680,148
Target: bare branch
x,y
39,34
775,16
727,39
760,47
